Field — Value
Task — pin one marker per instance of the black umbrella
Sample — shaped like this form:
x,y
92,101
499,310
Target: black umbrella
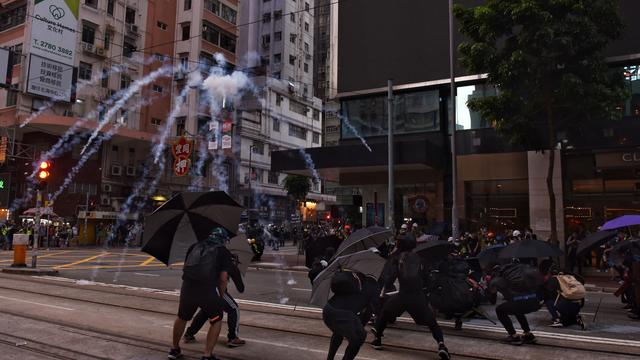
x,y
434,250
530,248
185,219
317,247
490,256
594,240
364,239
620,250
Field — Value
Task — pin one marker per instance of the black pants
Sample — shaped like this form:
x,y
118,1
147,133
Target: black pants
x,y
343,324
417,307
519,309
233,318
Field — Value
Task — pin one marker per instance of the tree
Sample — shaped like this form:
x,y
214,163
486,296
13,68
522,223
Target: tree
x,y
297,187
545,57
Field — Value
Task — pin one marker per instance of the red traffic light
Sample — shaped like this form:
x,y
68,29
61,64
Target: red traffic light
x,y
43,174
44,165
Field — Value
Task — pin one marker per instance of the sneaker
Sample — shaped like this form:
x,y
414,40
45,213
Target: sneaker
x,y
580,321
512,340
556,323
235,343
175,353
377,343
188,338
443,352
529,338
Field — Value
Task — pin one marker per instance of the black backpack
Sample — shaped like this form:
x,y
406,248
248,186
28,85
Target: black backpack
x,y
522,278
450,294
200,264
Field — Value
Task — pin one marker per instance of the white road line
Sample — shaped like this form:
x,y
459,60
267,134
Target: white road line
x,y
298,347
144,274
36,303
300,289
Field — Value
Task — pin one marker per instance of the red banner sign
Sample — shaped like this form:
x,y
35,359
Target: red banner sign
x,y
182,148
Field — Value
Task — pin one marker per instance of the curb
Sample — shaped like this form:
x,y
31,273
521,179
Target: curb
x,y
29,271
594,288
259,266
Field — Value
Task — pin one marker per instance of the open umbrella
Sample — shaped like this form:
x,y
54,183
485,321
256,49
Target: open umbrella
x,y
366,262
490,256
621,222
239,246
530,248
364,239
434,250
620,250
593,240
185,219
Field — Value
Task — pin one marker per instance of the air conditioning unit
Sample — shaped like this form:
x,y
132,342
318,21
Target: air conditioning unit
x,y
106,188
132,28
100,51
116,170
105,201
131,170
88,47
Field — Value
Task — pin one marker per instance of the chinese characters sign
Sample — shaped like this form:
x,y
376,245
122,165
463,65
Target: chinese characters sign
x,y
50,78
181,150
54,30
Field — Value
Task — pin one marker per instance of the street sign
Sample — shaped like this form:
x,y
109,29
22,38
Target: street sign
x,y
181,166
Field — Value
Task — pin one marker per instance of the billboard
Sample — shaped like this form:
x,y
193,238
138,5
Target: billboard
x,y
50,78
54,30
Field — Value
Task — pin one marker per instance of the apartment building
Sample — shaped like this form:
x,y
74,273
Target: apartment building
x,y
277,43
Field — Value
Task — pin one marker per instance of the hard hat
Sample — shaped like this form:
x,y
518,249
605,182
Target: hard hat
x,y
516,233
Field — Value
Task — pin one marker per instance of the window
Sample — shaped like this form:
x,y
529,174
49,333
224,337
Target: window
x,y
297,132
228,14
278,101
277,58
187,5
107,40
88,34
91,3
228,42
316,115
212,5
186,31
128,49
292,38
266,18
631,75
104,79
184,60
266,39
277,36
272,178
297,107
257,147
156,121
16,51
466,118
292,60
306,67
256,175
264,60
306,46
111,4
84,71
306,6
277,15
125,81
276,75
12,97
316,138
210,33
207,59
161,25
292,17
12,18
276,124
130,16
157,89
306,27
180,125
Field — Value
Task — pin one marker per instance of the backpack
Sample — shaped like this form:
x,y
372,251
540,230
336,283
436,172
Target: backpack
x,y
200,264
522,278
410,272
570,287
451,294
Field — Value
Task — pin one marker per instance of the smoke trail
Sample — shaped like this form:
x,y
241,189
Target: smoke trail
x,y
310,165
355,132
132,90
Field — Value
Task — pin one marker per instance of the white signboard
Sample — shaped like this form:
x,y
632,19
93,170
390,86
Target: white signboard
x,y
49,78
226,141
213,128
5,67
54,30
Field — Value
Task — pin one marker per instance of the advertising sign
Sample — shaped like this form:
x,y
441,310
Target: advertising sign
x,y
181,166
54,30
50,78
182,148
6,67
213,143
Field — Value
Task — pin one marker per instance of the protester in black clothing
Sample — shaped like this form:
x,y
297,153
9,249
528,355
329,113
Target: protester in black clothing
x,y
518,303
205,278
346,312
320,263
407,267
565,312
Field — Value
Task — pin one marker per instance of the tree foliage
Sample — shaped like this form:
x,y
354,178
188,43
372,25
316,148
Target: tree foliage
x,y
546,58
297,186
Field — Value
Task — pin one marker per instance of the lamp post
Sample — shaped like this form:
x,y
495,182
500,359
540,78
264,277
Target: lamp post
x,y
454,162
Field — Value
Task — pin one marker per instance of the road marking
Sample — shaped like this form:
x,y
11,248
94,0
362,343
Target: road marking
x,y
297,347
36,303
83,260
148,261
300,289
143,274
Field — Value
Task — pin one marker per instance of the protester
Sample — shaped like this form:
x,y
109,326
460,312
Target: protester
x,y
564,297
411,297
518,284
204,279
573,242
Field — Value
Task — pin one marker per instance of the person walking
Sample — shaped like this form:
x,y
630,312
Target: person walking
x,y
573,242
408,269
204,278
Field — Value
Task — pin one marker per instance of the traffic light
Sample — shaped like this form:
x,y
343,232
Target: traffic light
x,y
44,171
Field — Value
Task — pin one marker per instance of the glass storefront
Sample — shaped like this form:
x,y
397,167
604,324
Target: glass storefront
x,y
632,80
466,119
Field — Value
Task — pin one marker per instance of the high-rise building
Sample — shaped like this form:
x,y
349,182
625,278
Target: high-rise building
x,y
278,44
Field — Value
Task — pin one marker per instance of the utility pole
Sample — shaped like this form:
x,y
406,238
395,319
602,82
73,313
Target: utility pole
x,y
250,191
36,229
86,218
391,189
454,162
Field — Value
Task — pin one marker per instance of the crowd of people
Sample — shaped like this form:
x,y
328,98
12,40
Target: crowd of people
x,y
49,236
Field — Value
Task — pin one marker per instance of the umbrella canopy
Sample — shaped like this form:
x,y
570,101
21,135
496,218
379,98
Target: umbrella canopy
x,y
185,219
366,262
317,247
620,250
364,239
239,246
621,222
530,248
44,211
426,237
490,256
434,250
594,240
